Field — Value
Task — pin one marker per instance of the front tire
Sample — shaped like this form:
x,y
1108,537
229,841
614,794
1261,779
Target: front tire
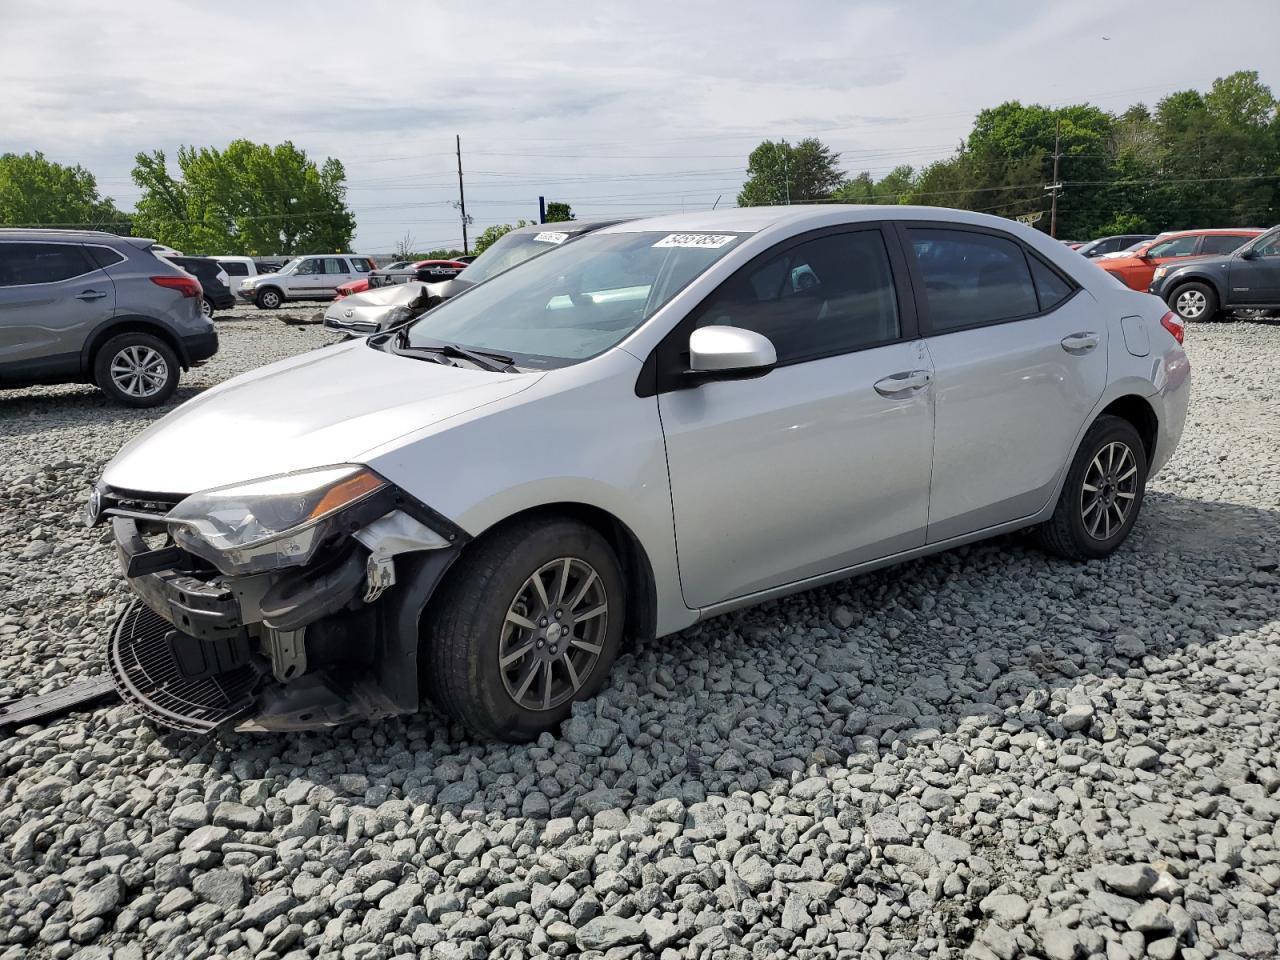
x,y
1194,302
528,621
1102,495
136,369
268,299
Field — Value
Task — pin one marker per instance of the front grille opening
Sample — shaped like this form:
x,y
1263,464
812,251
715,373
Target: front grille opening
x,y
147,675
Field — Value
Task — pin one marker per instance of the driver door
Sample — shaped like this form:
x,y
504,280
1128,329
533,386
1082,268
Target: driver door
x,y
1256,281
822,463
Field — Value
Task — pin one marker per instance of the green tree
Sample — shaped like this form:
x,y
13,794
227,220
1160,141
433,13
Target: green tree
x,y
894,187
35,191
558,212
247,199
778,172
493,233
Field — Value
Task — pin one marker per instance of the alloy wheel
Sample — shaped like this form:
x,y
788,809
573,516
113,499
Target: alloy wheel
x,y
553,634
206,308
139,371
1191,304
1109,491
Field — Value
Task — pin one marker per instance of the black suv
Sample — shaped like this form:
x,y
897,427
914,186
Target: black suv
x,y
213,281
1246,279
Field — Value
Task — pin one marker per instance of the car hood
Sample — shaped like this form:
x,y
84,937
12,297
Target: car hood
x,y
325,407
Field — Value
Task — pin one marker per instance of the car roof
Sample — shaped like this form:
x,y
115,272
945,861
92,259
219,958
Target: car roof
x,y
82,236
757,219
1209,230
572,226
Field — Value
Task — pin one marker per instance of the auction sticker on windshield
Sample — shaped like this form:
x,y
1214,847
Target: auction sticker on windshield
x,y
712,241
550,236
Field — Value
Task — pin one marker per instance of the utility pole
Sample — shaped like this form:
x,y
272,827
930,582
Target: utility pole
x,y
1055,187
542,209
462,199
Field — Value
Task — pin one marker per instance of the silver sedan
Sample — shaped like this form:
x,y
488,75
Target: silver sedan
x,y
669,419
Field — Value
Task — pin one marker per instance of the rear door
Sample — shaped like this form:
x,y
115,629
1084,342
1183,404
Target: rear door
x,y
51,295
237,271
1256,280
823,463
1020,360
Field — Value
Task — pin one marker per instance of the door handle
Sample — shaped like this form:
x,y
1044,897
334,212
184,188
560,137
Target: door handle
x,y
1080,342
88,295
903,384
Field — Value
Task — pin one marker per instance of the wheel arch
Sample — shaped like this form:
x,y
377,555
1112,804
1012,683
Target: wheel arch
x,y
637,569
129,324
1138,411
1216,284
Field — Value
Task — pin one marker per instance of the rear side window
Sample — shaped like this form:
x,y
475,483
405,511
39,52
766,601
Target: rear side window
x,y
1216,243
234,268
1051,287
827,296
972,278
27,263
335,265
361,264
103,256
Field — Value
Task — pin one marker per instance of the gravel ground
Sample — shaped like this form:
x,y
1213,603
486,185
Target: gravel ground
x,y
987,753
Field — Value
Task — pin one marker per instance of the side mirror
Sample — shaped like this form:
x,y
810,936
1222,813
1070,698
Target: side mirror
x,y
725,353
1248,254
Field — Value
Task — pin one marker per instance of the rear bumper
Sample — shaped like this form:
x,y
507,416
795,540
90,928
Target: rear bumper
x,y
199,346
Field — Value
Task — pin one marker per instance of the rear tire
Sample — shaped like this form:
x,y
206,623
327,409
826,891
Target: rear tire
x,y
1102,495
136,369
206,307
500,660
268,299
1194,302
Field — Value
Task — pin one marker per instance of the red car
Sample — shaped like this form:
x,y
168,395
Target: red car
x,y
424,271
350,287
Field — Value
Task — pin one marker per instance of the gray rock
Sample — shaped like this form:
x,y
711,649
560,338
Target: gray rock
x,y
608,931
267,907
1007,909
1130,880
99,900
226,888
1141,758
1077,717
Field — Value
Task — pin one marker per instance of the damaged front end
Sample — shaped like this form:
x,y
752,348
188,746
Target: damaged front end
x,y
285,603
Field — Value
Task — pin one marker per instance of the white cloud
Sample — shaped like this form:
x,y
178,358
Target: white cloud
x,y
641,108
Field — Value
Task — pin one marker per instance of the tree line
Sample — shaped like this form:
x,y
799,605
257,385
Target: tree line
x,y
251,199
1208,159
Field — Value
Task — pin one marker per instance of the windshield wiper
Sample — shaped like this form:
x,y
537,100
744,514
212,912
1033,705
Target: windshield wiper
x,y
484,359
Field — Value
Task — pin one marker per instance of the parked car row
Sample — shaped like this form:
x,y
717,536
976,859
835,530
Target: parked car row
x,y
1198,273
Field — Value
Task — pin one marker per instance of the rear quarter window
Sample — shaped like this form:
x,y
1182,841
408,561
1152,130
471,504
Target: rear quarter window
x,y
104,256
234,268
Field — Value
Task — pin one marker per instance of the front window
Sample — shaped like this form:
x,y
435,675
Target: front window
x,y
589,296
291,266
1267,245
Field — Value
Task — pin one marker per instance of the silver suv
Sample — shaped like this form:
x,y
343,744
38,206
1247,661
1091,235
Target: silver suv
x,y
304,278
490,496
79,306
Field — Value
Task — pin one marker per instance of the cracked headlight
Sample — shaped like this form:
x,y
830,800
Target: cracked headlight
x,y
270,523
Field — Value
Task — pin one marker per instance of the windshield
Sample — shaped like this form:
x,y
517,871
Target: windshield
x,y
291,266
566,308
510,250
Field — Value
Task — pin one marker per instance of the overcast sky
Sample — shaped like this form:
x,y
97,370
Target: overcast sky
x,y
643,108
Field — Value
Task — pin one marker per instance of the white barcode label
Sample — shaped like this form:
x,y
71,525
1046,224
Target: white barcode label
x,y
712,241
550,236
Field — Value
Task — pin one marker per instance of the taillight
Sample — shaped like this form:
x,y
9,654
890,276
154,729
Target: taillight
x,y
1173,323
187,286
